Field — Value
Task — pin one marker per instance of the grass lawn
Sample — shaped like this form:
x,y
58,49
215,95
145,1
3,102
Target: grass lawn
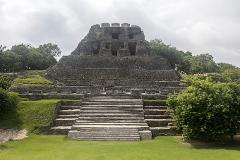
x,y
39,147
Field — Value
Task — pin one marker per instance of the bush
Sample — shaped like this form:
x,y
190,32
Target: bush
x,y
6,81
8,101
207,110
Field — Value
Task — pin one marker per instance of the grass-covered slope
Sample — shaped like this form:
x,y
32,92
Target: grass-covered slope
x,y
31,78
163,148
31,115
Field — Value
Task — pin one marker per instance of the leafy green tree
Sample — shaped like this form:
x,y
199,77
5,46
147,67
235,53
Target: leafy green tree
x,y
10,62
207,110
25,57
203,63
2,48
51,49
166,51
226,66
185,65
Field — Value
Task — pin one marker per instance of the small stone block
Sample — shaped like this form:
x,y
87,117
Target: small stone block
x,y
145,135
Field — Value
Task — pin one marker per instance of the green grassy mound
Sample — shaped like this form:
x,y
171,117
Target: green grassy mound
x,y
38,147
32,115
31,80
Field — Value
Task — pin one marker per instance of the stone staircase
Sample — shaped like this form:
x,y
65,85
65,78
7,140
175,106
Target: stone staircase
x,y
159,119
110,118
67,113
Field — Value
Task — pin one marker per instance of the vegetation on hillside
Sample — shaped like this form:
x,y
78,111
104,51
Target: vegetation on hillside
x,y
185,61
31,115
6,80
31,78
25,57
8,102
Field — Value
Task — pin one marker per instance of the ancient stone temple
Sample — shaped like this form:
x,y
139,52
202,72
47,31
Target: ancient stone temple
x,y
111,72
114,59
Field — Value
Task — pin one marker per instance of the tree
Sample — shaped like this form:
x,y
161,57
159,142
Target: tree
x,y
2,48
226,66
185,65
207,110
203,63
50,49
166,51
25,57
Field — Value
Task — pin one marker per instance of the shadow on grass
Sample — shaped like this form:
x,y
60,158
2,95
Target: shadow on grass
x,y
225,143
10,119
3,147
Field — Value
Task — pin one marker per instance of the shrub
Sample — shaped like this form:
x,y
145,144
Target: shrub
x,y
6,81
206,110
8,101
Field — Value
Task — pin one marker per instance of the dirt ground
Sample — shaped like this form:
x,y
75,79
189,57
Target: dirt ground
x,y
11,134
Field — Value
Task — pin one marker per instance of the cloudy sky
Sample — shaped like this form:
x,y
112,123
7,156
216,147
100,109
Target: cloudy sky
x,y
199,26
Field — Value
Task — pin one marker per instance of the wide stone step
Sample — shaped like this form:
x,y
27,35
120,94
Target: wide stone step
x,y
64,121
155,112
107,138
108,133
72,111
96,126
158,122
108,129
155,107
68,116
112,102
70,107
110,118
105,134
157,116
111,124
110,97
113,105
62,130
110,121
110,115
111,111
112,108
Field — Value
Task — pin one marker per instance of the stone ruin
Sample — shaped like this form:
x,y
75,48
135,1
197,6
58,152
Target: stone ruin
x,y
111,72
114,59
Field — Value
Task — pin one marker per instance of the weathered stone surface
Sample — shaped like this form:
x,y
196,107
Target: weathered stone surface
x,y
113,38
145,135
116,59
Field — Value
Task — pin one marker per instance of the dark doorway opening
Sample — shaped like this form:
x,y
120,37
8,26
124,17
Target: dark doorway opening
x,y
132,48
107,46
96,50
114,52
115,35
130,36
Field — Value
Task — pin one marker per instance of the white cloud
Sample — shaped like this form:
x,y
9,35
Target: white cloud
x,y
200,26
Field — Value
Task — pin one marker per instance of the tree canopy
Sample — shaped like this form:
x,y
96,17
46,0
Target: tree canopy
x,y
187,62
25,57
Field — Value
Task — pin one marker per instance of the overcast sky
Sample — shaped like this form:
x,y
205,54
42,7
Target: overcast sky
x,y
199,26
